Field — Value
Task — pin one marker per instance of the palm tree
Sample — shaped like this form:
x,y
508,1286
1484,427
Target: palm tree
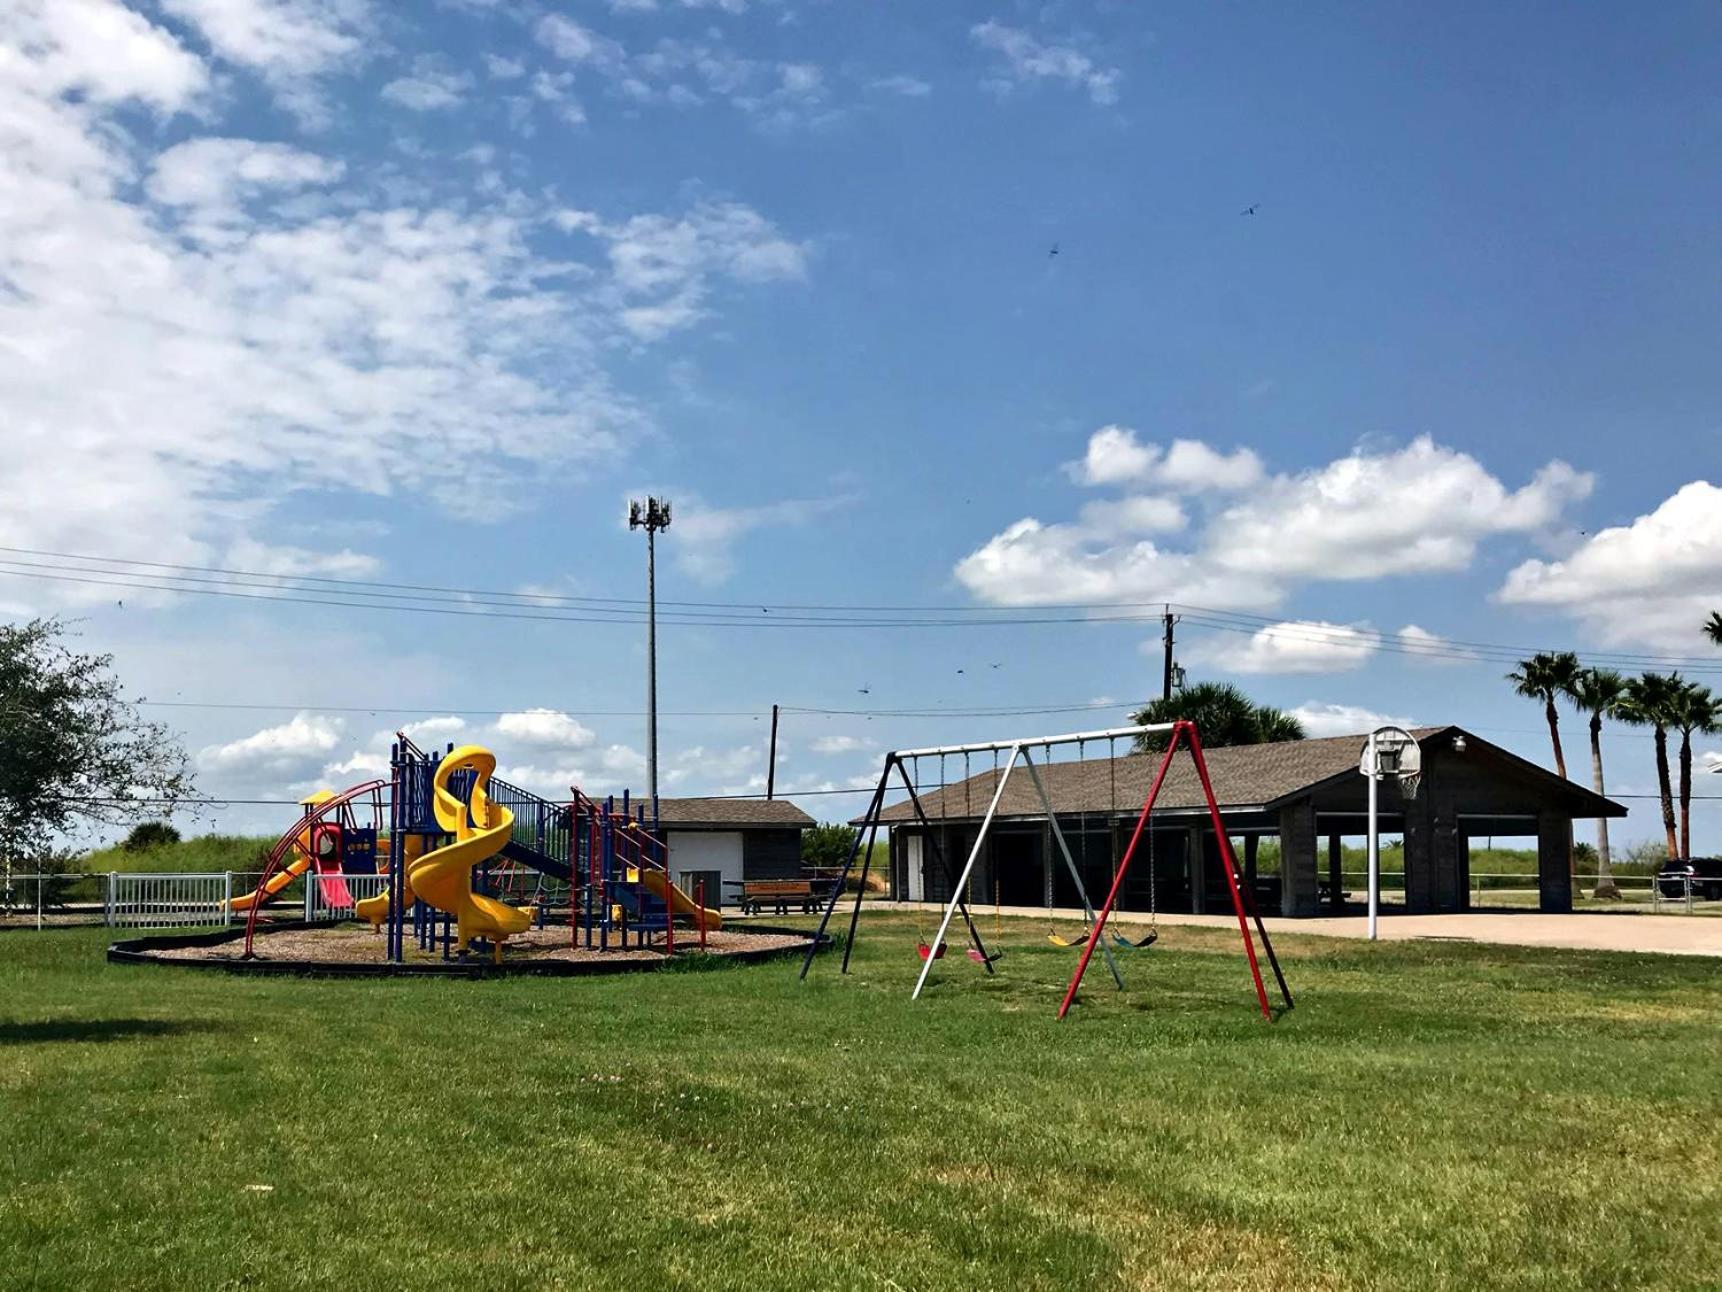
x,y
1274,725
1713,627
1544,676
1223,715
1649,701
1694,709
1597,691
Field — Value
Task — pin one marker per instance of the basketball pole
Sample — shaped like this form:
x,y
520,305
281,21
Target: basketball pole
x,y
1374,777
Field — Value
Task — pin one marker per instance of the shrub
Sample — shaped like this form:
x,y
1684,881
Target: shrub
x,y
150,834
827,845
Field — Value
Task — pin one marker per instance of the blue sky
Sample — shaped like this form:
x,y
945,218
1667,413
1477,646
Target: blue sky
x,y
422,294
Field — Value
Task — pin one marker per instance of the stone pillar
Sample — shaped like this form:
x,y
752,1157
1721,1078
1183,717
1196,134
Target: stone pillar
x,y
1195,866
1554,863
1462,862
1335,870
1299,892
1418,849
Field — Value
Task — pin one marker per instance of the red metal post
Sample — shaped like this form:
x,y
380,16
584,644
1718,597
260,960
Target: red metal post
x,y
1123,869
1229,862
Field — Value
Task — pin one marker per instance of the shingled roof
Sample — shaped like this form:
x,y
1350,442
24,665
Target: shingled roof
x,y
1245,778
732,814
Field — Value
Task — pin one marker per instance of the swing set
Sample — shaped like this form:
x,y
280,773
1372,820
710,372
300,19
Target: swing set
x,y
904,765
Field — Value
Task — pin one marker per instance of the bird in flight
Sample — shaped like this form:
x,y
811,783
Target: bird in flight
x,y
1250,209
864,690
1053,252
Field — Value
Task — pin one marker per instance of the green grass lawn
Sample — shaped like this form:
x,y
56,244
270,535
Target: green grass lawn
x,y
1430,1116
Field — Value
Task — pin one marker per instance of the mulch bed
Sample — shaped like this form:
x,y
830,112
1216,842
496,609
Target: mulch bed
x,y
349,949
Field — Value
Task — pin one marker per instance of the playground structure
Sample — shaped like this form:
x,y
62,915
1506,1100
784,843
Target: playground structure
x,y
465,861
900,762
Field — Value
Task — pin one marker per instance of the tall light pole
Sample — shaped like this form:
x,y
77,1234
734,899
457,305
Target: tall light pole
x,y
651,516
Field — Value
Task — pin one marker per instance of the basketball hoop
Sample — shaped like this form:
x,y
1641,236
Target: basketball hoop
x,y
1388,752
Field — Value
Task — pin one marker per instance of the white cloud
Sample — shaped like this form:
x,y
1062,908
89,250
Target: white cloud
x,y
216,175
428,89
1654,581
1141,515
569,41
290,44
176,358
663,267
1414,510
1426,646
288,751
100,49
839,744
1296,646
1321,719
706,536
504,69
545,729
1025,58
1031,562
910,87
430,730
1116,456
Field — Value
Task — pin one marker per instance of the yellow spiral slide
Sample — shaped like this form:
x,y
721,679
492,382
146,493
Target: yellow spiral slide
x,y
443,877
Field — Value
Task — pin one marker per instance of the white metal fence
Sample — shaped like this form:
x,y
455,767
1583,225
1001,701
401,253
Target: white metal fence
x,y
169,901
332,897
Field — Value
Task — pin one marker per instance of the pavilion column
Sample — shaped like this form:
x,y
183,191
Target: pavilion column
x,y
1197,870
1300,894
1335,871
1554,862
1048,847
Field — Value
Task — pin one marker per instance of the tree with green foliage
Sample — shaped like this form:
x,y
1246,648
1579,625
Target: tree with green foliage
x,y
828,845
77,751
1694,708
1596,692
1650,701
1546,676
1223,715
150,834
1713,627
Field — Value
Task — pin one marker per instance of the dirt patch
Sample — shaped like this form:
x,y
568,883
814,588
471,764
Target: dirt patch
x,y
356,944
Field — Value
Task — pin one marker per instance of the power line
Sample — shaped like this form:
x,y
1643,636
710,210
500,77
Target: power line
x,y
327,590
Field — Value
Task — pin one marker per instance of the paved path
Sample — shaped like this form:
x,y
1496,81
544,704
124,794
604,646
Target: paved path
x,y
1680,935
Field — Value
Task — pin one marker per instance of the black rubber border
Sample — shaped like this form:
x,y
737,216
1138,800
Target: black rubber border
x,y
142,951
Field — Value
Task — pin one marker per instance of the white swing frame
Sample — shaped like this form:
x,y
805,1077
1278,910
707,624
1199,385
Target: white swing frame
x,y
1018,749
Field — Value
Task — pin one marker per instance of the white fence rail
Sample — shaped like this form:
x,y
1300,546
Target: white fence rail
x,y
169,901
332,897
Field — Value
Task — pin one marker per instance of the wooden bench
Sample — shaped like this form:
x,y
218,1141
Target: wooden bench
x,y
780,895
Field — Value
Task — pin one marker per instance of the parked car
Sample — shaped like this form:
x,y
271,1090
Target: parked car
x,y
1703,873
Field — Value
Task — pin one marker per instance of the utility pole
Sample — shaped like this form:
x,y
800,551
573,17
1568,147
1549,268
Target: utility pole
x,y
1168,619
771,764
651,515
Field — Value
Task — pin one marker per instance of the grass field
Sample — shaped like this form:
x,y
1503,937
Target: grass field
x,y
1430,1116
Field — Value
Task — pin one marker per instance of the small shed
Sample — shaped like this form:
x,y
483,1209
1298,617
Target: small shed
x,y
726,841
1300,794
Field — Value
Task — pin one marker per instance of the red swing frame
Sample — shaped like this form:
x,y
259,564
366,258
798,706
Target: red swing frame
x,y
1243,901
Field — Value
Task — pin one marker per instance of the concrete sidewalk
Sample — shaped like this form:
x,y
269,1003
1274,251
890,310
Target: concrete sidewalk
x,y
1677,935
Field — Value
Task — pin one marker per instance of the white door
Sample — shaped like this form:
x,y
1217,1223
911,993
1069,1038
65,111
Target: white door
x,y
912,860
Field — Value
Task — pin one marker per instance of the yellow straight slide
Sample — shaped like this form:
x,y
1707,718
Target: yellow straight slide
x,y
654,880
292,870
443,877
